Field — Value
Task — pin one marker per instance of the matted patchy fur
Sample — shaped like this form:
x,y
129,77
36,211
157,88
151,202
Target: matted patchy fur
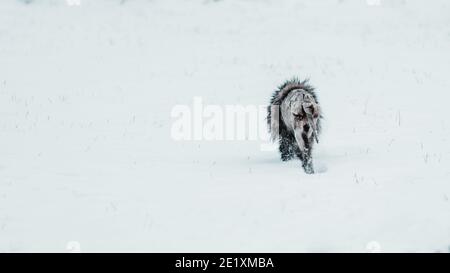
x,y
293,118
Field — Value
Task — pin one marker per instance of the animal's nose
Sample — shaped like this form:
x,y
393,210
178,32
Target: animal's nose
x,y
306,127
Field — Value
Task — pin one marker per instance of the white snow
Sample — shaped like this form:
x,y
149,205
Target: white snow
x,y
86,154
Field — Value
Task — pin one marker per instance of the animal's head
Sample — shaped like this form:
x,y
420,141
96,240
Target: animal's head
x,y
305,114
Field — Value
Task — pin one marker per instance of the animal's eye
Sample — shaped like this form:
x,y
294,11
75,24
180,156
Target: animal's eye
x,y
299,116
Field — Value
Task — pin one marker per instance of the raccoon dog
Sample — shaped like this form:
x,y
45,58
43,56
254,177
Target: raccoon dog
x,y
293,117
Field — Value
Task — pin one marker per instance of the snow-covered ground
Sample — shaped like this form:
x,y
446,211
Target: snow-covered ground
x,y
86,153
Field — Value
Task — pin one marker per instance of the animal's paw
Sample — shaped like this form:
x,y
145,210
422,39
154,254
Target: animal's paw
x,y
308,169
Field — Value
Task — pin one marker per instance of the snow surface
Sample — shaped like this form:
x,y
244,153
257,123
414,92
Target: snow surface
x,y
86,93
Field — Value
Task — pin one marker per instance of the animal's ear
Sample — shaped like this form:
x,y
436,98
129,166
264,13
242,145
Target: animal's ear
x,y
274,122
317,111
312,109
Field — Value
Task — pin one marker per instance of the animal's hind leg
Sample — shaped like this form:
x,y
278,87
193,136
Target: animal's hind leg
x,y
286,150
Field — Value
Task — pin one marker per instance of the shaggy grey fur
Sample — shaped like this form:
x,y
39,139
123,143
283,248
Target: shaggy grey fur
x,y
294,118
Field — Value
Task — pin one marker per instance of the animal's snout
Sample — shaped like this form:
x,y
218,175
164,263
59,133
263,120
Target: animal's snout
x,y
306,127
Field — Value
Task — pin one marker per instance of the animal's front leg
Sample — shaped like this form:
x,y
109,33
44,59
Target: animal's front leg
x,y
304,152
307,162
